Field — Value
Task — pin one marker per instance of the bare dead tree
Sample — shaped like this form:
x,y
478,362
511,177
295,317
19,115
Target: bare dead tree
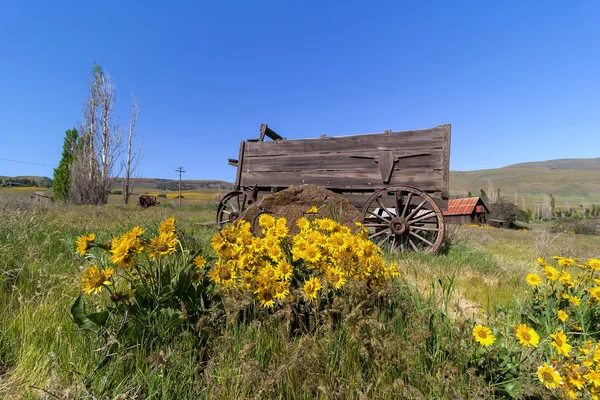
x,y
93,170
109,137
492,194
134,151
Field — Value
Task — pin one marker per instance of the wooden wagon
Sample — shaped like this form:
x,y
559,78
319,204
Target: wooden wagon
x,y
399,180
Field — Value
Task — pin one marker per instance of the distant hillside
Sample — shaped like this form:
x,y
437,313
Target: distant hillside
x,y
173,184
529,182
41,181
579,164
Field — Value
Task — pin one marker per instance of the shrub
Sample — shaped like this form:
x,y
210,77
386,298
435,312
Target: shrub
x,y
506,211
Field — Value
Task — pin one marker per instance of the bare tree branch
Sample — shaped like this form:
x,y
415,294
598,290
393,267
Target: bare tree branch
x,y
134,151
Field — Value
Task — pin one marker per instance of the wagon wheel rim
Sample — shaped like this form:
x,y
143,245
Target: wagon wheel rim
x,y
231,207
405,218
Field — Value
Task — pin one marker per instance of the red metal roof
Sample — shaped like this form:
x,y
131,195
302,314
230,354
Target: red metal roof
x,y
463,206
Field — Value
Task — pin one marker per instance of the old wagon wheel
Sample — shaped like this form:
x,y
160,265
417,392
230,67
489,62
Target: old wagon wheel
x,y
404,217
232,205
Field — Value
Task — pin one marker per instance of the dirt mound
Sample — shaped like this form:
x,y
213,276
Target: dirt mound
x,y
294,202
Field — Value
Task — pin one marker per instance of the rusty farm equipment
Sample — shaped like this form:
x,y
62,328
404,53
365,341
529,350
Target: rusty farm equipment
x,y
147,201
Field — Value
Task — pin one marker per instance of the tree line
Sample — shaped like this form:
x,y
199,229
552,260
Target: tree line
x,y
97,150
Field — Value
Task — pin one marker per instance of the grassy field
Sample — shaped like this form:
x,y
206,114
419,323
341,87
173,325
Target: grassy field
x,y
411,340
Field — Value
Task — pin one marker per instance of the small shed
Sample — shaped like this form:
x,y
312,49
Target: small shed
x,y
470,210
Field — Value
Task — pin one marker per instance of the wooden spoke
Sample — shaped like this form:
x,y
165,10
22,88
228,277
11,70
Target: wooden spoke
x,y
422,238
378,234
416,227
389,213
416,210
412,245
407,204
423,228
231,207
374,225
379,216
422,217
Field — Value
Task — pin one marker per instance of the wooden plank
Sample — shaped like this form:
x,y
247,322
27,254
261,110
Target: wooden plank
x,y
424,180
338,161
446,163
238,175
410,140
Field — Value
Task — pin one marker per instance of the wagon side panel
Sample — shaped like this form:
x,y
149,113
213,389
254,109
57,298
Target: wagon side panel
x,y
352,163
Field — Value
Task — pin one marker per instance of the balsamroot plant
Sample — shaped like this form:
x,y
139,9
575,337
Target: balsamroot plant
x,y
556,337
308,268
152,284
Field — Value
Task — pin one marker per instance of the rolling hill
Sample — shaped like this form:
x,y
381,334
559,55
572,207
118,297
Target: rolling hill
x,y
571,181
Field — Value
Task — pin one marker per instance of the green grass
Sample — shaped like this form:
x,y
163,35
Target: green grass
x,y
406,342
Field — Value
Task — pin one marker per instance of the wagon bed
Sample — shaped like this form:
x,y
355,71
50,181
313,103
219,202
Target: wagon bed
x,y
382,167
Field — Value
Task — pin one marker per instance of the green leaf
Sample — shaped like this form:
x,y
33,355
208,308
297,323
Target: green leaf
x,y
175,318
99,319
513,388
92,322
166,293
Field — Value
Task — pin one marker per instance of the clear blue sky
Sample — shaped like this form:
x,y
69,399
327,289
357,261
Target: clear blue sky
x,y
518,80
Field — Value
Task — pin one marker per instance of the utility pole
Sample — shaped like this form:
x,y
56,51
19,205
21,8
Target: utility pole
x,y
180,170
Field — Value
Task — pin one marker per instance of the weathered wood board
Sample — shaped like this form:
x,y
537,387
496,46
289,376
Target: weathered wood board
x,y
351,163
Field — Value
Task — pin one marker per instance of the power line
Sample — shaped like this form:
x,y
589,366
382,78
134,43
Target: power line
x,y
27,162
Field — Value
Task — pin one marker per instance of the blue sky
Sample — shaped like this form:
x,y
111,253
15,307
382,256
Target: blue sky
x,y
518,81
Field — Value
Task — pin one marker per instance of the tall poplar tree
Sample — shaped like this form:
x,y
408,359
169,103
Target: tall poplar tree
x,y
62,174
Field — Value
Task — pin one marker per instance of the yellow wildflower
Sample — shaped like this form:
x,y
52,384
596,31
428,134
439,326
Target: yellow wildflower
x,y
162,245
336,277
549,376
595,293
199,262
483,335
560,343
83,243
527,336
124,249
593,264
563,316
167,226
565,262
565,279
312,210
551,273
593,377
312,287
533,279
266,296
575,301
94,280
136,231
303,223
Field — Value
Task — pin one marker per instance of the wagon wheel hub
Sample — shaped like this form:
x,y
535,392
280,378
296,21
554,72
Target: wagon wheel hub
x,y
399,226
233,216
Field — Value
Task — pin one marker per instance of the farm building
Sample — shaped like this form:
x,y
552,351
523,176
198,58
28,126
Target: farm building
x,y
470,210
